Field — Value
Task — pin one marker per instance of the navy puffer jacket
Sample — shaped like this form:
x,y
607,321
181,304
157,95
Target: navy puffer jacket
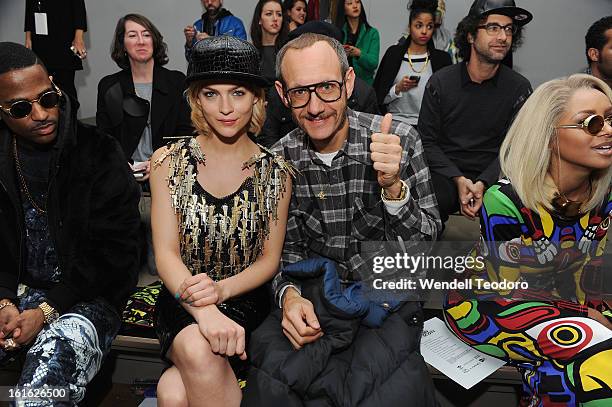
x,y
350,365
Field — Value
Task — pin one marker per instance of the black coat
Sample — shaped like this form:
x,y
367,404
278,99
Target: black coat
x,y
63,19
350,365
392,61
93,218
279,121
124,115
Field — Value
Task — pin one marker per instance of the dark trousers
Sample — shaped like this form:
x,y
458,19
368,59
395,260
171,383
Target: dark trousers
x,y
64,79
446,194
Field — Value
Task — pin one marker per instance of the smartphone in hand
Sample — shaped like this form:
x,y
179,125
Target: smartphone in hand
x,y
139,168
416,78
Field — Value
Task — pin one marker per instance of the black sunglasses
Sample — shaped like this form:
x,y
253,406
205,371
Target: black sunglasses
x,y
592,124
22,108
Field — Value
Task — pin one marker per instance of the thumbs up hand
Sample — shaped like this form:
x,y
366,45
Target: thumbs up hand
x,y
386,151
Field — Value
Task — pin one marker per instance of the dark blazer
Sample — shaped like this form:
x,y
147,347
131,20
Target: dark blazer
x,y
124,115
391,62
92,213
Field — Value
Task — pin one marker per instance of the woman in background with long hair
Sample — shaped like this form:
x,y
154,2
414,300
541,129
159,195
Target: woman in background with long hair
x,y
295,11
361,40
268,33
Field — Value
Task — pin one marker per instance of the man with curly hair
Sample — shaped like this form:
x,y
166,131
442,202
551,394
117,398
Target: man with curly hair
x,y
468,107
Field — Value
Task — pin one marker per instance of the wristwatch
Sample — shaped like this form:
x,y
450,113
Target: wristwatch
x,y
403,193
49,312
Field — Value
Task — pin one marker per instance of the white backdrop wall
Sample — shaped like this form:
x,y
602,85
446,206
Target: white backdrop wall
x,y
553,46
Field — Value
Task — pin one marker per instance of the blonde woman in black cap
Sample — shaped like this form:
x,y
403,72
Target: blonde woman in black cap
x,y
219,215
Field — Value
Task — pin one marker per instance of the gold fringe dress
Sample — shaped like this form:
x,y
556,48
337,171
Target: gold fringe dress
x,y
220,236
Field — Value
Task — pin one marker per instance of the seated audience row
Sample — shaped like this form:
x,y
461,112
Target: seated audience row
x,y
340,178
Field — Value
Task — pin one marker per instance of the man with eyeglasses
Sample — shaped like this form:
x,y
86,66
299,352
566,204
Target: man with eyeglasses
x,y
278,116
69,232
468,107
360,178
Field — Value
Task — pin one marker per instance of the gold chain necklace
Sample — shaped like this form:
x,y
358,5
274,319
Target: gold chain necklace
x,y
24,186
412,66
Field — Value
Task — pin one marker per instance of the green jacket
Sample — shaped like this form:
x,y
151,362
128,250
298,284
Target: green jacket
x,y
368,41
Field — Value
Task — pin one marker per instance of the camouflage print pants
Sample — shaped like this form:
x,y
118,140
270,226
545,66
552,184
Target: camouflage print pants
x,y
70,351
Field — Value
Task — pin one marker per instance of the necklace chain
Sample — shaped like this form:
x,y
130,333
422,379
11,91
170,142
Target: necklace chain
x,y
412,65
22,180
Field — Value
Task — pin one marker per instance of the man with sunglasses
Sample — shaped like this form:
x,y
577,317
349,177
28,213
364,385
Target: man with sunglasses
x,y
360,178
69,226
468,107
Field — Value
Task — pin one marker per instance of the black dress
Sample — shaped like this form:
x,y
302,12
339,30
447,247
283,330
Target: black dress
x,y
63,19
220,236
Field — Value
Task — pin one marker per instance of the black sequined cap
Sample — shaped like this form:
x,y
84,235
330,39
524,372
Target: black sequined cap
x,y
225,58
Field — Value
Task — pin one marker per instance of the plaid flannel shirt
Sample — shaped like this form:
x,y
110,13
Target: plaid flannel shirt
x,y
352,210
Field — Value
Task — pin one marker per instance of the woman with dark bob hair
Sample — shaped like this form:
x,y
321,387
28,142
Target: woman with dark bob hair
x,y
143,103
543,306
219,215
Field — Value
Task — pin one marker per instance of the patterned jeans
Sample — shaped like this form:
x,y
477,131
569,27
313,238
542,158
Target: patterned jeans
x,y
70,351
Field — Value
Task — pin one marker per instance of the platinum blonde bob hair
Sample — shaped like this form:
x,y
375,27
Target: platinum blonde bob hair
x,y
530,145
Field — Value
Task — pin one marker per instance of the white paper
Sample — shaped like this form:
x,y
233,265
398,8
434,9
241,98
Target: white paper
x,y
149,402
453,358
40,23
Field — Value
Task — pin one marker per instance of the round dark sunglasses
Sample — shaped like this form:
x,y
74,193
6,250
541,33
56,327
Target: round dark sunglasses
x,y
22,108
592,124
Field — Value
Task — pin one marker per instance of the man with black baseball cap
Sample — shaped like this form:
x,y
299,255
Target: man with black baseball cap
x,y
468,107
483,8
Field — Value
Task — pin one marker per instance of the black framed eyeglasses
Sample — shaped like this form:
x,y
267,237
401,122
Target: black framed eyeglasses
x,y
592,124
494,29
22,108
328,91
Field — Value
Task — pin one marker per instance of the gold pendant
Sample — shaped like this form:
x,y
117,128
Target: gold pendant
x,y
321,195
